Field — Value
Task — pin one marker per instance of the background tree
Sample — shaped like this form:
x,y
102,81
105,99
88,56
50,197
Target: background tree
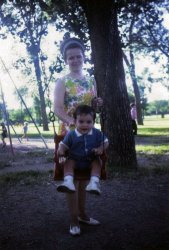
x,y
24,93
37,110
132,20
158,107
26,20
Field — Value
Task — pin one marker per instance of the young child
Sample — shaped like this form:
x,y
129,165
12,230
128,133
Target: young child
x,y
25,130
83,146
3,134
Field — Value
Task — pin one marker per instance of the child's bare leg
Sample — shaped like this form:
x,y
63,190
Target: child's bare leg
x,y
96,168
69,167
94,185
68,185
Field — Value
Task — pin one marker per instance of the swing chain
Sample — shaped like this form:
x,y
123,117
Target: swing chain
x,y
52,116
49,104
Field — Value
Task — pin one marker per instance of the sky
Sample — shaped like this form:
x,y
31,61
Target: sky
x,y
11,49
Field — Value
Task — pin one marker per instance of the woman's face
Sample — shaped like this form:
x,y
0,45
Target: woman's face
x,y
74,59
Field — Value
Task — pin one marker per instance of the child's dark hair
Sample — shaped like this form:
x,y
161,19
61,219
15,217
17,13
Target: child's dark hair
x,y
84,109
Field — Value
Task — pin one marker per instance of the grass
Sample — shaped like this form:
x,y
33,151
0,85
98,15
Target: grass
x,y
156,130
153,149
33,133
154,126
24,178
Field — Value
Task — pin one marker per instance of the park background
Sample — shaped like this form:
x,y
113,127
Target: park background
x,y
134,206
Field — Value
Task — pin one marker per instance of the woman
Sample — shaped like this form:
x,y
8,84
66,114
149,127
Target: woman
x,y
71,90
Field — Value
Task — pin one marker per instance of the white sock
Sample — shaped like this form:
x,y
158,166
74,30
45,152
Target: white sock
x,y
94,178
68,178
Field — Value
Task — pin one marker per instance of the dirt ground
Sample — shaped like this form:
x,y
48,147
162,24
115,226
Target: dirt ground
x,y
133,210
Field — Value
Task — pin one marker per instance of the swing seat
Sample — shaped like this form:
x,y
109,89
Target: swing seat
x,y
79,174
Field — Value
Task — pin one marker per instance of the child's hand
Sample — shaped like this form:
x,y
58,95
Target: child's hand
x,y
98,151
62,159
61,156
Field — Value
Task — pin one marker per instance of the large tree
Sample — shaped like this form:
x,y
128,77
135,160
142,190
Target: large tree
x,y
102,23
109,73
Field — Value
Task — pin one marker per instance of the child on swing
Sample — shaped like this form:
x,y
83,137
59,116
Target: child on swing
x,y
83,146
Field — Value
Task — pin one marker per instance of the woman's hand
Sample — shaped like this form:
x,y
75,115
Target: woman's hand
x,y
71,123
99,101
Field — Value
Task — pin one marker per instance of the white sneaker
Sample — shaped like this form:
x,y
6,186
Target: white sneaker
x,y
93,187
66,187
74,230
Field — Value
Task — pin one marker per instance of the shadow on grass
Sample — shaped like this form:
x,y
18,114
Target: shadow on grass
x,y
25,178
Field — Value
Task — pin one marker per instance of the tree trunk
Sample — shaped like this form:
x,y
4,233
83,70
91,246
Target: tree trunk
x,y
109,73
41,93
136,90
131,67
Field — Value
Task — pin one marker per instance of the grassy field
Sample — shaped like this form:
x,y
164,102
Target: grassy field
x,y
154,134
153,126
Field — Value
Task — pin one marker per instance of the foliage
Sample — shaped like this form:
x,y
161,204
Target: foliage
x,y
158,107
16,116
24,19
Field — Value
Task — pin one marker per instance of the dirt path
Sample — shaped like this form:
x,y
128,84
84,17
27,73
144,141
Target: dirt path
x,y
134,215
134,211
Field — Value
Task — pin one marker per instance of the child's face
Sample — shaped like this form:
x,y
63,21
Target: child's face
x,y
84,123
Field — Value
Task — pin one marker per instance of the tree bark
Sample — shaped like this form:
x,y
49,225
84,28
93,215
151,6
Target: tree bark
x,y
110,77
131,67
41,93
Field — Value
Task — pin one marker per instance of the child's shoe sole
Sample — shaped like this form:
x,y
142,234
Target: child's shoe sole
x,y
64,189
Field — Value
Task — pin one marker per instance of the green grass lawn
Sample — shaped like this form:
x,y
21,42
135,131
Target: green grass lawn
x,y
33,132
154,126
153,149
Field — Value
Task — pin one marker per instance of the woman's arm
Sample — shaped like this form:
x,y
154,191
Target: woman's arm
x,y
59,94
